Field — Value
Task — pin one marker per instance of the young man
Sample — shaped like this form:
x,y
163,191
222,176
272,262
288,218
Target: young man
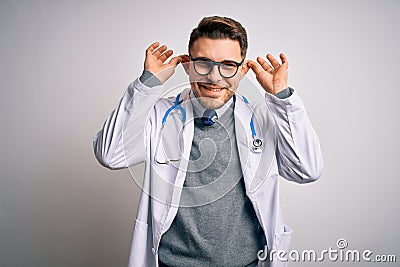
x,y
210,192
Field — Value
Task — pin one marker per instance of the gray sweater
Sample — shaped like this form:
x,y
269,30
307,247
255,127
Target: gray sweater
x,y
216,224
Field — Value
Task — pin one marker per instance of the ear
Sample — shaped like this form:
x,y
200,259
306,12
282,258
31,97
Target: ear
x,y
185,63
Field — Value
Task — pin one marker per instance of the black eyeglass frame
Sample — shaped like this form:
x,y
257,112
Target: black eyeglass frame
x,y
238,64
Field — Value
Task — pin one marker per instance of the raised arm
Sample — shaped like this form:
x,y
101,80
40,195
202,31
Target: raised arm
x,y
298,151
120,142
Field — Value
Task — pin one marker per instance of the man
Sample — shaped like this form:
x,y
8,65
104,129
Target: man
x,y
210,192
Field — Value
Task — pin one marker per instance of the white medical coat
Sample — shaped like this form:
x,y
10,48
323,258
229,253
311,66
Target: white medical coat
x,y
129,135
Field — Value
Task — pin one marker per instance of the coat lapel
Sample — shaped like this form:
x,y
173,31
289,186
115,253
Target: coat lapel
x,y
243,115
186,137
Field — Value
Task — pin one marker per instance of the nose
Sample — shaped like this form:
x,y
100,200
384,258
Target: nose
x,y
214,76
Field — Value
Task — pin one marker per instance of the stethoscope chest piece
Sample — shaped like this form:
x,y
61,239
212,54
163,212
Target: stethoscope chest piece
x,y
256,145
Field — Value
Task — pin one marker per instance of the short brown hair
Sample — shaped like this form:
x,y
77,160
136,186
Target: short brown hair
x,y
216,27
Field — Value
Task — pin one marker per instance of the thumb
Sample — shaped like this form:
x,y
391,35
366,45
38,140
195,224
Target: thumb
x,y
245,68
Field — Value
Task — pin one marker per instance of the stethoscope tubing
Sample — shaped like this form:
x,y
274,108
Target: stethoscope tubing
x,y
256,143
177,105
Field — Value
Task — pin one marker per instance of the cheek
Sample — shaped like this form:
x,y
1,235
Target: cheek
x,y
233,83
195,89
228,95
193,76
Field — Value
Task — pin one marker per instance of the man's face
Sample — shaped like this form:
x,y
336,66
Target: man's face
x,y
213,90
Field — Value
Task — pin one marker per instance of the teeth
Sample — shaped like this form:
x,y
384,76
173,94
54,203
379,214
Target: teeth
x,y
212,89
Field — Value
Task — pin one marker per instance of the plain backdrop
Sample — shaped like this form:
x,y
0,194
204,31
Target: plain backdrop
x,y
64,65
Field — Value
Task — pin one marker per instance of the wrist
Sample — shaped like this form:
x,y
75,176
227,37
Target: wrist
x,y
278,87
149,79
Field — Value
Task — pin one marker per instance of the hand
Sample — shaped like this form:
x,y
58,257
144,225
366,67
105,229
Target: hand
x,y
272,77
156,56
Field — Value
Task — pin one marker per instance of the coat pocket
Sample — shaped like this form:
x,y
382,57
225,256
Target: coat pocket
x,y
282,240
140,253
280,249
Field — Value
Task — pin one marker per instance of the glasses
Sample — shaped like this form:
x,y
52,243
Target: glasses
x,y
227,68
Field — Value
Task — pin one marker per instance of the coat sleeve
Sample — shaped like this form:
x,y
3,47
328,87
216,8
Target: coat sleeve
x,y
298,151
121,141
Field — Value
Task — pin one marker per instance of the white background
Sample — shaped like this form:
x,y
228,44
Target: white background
x,y
65,64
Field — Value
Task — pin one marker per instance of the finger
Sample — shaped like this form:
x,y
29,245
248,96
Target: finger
x,y
185,58
151,48
175,61
264,64
255,67
166,55
160,50
273,61
284,59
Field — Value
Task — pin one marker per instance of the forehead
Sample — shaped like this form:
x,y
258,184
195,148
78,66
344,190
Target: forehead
x,y
216,49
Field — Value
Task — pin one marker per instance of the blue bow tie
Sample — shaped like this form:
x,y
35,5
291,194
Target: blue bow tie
x,y
209,117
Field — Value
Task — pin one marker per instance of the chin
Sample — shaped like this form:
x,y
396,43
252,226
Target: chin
x,y
211,103
212,98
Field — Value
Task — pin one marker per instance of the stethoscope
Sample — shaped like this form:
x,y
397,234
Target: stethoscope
x,y
256,144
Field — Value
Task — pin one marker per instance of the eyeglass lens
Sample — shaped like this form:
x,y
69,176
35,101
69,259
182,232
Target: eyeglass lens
x,y
226,69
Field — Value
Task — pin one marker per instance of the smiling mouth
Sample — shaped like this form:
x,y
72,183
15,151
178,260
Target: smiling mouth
x,y
211,88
